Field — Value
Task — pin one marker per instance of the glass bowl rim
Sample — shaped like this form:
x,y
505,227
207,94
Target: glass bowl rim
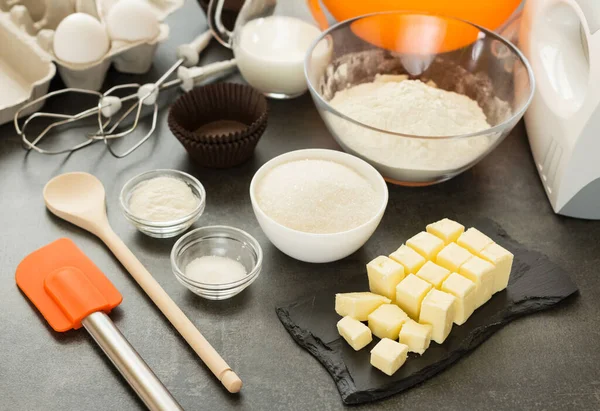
x,y
499,128
215,229
188,178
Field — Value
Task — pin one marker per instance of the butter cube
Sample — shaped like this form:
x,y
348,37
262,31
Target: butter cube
x,y
385,321
465,292
452,257
384,275
447,230
409,258
354,332
437,310
410,293
358,305
503,260
433,274
388,356
425,244
481,272
416,336
474,240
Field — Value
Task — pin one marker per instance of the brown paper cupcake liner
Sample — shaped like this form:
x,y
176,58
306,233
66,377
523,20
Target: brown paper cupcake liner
x,y
218,113
185,141
223,155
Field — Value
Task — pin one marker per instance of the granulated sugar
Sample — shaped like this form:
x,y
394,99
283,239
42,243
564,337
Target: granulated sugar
x,y
415,108
214,269
317,196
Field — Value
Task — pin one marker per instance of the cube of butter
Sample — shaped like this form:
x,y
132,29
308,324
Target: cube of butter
x,y
473,240
409,258
437,310
358,305
384,275
388,356
481,272
386,321
465,292
410,293
354,332
452,257
416,336
503,260
425,244
447,230
433,274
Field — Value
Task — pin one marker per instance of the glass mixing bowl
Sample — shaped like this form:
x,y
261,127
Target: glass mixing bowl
x,y
453,54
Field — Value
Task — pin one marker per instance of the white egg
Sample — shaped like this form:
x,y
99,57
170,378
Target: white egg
x,y
80,39
132,20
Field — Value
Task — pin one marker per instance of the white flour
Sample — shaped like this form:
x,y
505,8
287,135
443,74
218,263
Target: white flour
x,y
317,196
410,107
162,199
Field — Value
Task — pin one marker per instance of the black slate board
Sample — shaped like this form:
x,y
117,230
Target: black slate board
x,y
535,284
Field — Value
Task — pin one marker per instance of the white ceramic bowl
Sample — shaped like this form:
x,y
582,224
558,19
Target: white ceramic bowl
x,y
320,248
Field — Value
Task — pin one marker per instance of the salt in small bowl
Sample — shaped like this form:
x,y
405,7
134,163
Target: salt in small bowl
x,y
222,241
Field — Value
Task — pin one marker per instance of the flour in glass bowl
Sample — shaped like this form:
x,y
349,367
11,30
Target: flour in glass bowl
x,y
162,199
415,108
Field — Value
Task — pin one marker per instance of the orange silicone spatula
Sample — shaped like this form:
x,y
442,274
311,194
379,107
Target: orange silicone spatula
x,y
79,198
70,292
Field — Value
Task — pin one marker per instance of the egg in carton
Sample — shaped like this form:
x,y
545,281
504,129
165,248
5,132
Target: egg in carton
x,y
82,37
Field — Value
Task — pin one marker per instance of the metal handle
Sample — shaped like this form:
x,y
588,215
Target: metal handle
x,y
129,363
213,15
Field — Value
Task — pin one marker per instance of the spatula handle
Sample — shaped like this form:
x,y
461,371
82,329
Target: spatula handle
x,y
167,306
129,363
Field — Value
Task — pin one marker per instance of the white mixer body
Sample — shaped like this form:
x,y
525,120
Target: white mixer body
x,y
561,39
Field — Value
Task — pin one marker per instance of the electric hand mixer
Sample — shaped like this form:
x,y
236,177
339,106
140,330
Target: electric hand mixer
x,y
71,292
561,39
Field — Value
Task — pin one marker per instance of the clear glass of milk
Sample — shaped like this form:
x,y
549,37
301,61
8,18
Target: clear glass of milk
x,y
270,41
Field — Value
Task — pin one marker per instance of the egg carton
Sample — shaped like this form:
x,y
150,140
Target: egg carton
x,y
27,60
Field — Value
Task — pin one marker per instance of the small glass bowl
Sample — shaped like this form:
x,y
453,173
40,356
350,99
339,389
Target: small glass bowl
x,y
163,229
219,241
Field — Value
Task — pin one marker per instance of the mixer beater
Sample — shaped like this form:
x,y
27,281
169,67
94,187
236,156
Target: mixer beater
x,y
146,95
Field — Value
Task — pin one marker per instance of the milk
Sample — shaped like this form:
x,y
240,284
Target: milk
x,y
270,54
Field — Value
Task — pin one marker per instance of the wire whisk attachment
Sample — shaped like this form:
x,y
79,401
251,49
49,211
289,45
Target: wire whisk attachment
x,y
110,105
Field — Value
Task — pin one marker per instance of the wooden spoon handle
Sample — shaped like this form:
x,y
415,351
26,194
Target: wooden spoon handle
x,y
167,306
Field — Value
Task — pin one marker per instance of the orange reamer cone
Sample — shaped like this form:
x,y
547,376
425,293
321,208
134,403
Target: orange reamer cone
x,y
65,285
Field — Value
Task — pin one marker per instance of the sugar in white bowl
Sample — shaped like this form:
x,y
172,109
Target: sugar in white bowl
x,y
317,196
318,205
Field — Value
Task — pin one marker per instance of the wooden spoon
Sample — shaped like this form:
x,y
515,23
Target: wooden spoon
x,y
80,199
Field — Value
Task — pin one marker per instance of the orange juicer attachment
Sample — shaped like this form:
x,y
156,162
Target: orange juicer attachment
x,y
418,34
70,292
389,31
